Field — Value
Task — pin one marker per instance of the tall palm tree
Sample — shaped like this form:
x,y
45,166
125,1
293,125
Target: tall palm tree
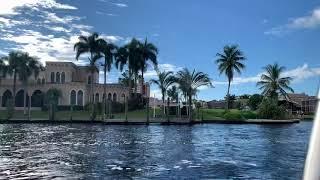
x,y
14,60
109,51
273,84
94,46
174,95
3,69
148,53
129,55
229,62
190,82
124,79
28,66
164,81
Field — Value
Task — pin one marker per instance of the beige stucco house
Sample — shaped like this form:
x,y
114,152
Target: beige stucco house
x,y
73,81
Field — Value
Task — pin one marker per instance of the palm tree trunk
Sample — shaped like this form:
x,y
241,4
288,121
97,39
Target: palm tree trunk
x,y
92,95
228,95
25,99
105,89
163,105
190,108
14,89
168,106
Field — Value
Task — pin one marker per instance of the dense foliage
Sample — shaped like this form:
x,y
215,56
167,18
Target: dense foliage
x,y
254,101
269,109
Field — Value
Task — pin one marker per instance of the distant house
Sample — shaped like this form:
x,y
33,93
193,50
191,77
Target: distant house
x,y
214,104
300,103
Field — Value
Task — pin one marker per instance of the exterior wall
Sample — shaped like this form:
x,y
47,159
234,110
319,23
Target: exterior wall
x,y
76,78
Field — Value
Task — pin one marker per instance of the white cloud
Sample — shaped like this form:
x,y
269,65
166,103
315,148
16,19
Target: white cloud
x,y
112,39
298,74
120,4
151,73
305,22
104,13
9,7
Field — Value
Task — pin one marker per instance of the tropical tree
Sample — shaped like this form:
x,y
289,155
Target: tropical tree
x,y
174,95
164,81
148,54
28,66
190,82
273,83
230,62
3,69
14,60
109,51
130,55
95,47
125,79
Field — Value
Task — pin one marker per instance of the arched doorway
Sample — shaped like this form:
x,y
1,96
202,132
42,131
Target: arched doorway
x,y
114,98
37,99
73,97
80,98
96,98
5,97
19,101
52,77
109,96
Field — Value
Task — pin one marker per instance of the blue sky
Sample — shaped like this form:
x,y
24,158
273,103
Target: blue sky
x,y
187,33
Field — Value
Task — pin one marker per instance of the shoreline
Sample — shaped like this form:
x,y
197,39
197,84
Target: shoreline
x,y
152,121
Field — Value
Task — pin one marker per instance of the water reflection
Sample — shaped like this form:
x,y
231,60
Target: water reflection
x,y
138,152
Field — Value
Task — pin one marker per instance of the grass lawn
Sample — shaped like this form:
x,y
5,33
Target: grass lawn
x,y
206,114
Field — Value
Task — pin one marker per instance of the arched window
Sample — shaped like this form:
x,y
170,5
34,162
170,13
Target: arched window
x,y
114,98
97,98
63,77
5,97
80,98
38,81
43,81
37,99
58,77
19,101
52,77
73,97
89,79
109,96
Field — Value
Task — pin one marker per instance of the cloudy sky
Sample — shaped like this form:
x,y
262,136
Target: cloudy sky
x,y
187,33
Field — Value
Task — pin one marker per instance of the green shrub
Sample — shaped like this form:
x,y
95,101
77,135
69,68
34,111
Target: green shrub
x,y
232,116
269,109
248,115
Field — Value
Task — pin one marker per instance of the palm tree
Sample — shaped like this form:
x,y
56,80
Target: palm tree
x,y
164,81
109,51
229,62
124,79
94,46
190,82
174,95
129,55
149,53
14,60
3,69
28,66
273,83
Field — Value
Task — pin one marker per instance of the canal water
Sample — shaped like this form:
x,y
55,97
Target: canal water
x,y
208,151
